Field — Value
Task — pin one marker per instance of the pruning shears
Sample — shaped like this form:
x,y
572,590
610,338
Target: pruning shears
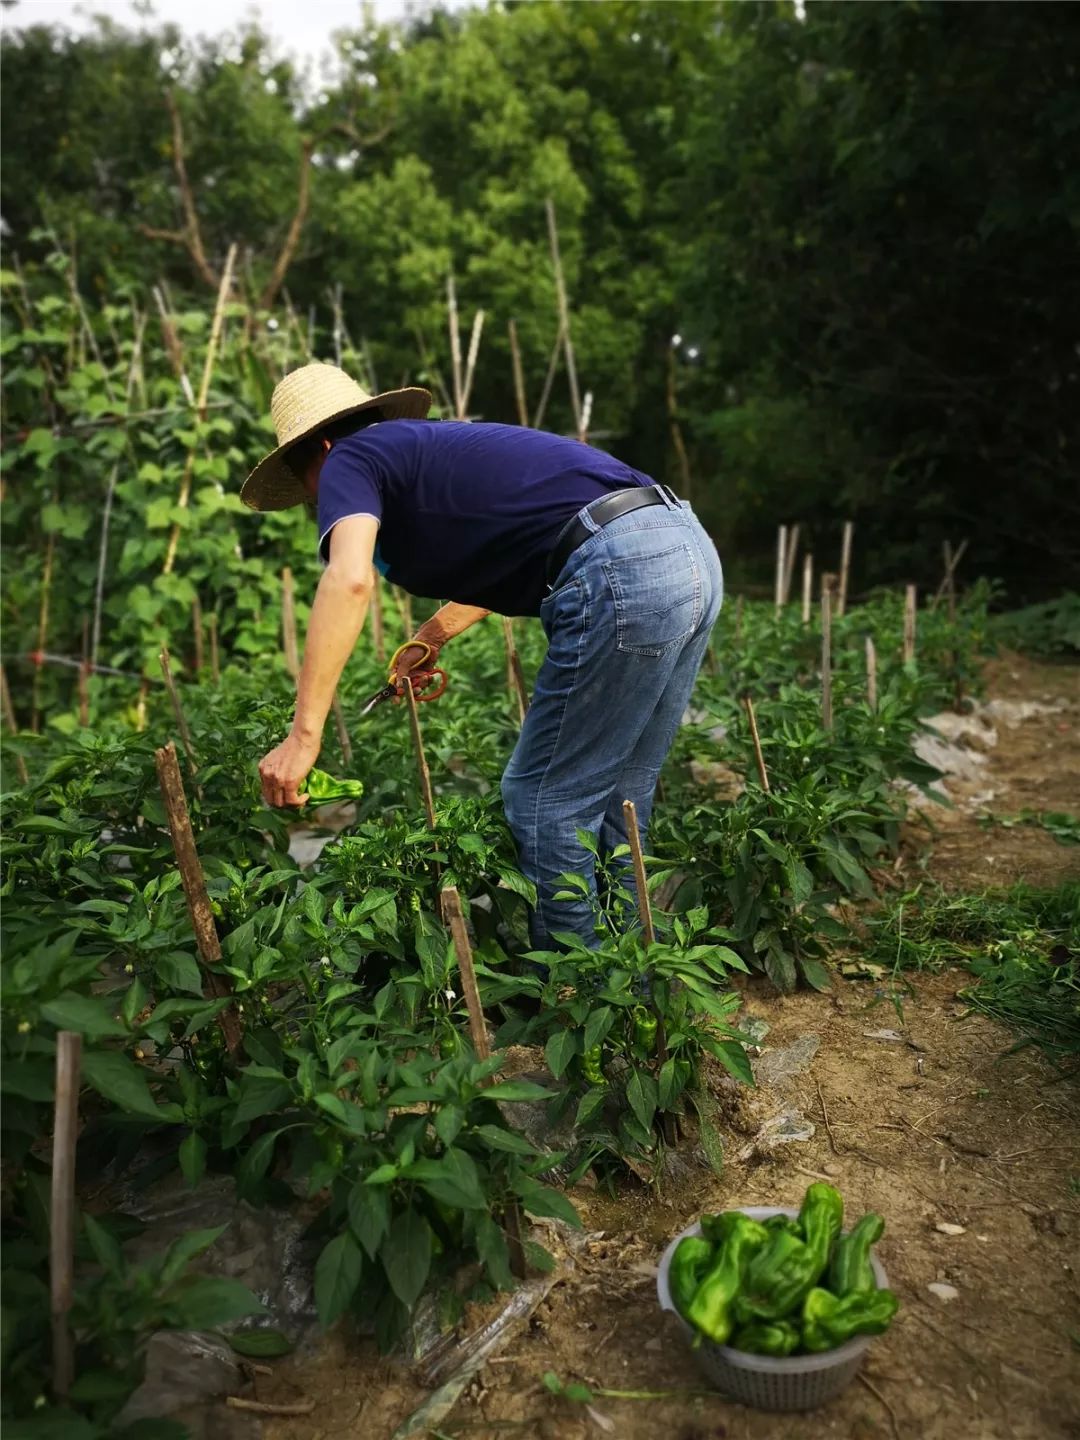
x,y
420,678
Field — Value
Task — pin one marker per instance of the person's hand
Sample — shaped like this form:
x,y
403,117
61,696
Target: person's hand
x,y
416,655
284,769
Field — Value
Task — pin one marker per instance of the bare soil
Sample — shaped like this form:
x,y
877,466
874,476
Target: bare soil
x,y
944,1125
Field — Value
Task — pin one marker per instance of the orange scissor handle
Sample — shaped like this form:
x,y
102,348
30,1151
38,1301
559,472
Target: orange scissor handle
x,y
421,680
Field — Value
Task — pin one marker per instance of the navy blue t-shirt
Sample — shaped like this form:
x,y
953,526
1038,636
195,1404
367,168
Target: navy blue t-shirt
x,y
466,512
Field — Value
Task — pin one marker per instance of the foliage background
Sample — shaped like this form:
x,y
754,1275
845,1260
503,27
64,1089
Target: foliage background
x,y
863,226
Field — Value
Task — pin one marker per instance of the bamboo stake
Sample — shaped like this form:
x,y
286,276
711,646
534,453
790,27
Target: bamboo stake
x,y
910,605
200,404
564,312
675,426
514,673
519,375
178,711
215,668
197,633
470,363
871,673
549,379
950,573
789,561
10,722
83,681
173,346
342,729
807,586
378,633
421,760
455,344
633,837
198,901
826,652
43,627
845,567
288,625
586,418
759,757
62,1211
781,558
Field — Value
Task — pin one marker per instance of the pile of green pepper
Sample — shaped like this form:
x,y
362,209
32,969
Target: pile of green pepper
x,y
782,1286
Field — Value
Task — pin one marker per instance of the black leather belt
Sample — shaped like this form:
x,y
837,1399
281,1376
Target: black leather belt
x,y
602,512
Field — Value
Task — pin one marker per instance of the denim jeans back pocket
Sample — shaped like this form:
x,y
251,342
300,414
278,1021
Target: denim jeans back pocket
x,y
657,598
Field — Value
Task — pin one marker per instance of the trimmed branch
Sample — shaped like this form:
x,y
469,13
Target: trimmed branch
x,y
191,235
292,239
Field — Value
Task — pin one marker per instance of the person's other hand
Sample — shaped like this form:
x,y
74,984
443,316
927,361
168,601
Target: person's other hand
x,y
284,769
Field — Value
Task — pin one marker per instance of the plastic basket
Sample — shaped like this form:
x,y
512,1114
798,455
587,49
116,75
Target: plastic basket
x,y
768,1382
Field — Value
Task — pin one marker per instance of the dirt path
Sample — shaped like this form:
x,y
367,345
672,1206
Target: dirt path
x,y
939,1127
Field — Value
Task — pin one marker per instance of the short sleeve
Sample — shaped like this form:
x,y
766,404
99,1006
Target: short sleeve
x,y
348,485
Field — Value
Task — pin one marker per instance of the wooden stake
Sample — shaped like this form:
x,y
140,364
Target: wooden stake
x,y
950,573
378,634
198,902
62,1212
845,566
871,673
178,711
421,761
215,669
10,722
789,562
519,376
633,837
43,627
564,312
514,672
549,379
675,427
83,681
910,605
826,651
342,729
288,624
586,418
200,403
807,586
759,757
197,633
781,559
470,363
455,345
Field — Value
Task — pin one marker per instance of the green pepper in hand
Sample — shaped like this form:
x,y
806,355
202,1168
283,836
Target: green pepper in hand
x,y
712,1309
692,1257
321,788
850,1271
776,1337
828,1321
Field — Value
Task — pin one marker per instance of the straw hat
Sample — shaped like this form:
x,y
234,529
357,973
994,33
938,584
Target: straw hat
x,y
302,403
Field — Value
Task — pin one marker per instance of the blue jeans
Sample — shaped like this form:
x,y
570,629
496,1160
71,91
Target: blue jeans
x,y
627,620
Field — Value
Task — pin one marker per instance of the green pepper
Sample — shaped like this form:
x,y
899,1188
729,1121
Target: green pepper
x,y
820,1221
850,1271
592,1065
321,788
644,1029
794,1259
776,1223
692,1257
777,1337
717,1228
712,1309
828,1321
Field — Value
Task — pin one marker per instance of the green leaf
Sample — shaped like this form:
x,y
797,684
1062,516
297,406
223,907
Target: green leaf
x,y
666,1086
641,1096
369,1215
815,974
182,1251
260,1344
590,1103
178,971
106,1249
337,1274
492,1248
82,1013
542,1200
597,1026
116,1078
406,1256
448,1122
497,1138
193,1158
255,1163
517,1090
559,1051
207,1302
258,1096
452,1179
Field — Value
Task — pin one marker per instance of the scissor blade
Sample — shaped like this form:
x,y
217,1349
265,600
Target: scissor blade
x,y
373,702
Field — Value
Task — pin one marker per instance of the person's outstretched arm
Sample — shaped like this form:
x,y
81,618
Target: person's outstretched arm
x,y
337,617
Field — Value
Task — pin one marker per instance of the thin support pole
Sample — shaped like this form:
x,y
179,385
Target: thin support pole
x,y
197,633
289,643
215,665
586,418
807,586
178,710
194,882
470,363
455,345
549,380
564,311
342,729
421,759
845,567
519,374
633,837
759,757
910,606
62,1212
781,559
514,671
43,626
789,562
826,652
10,722
950,574
871,673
